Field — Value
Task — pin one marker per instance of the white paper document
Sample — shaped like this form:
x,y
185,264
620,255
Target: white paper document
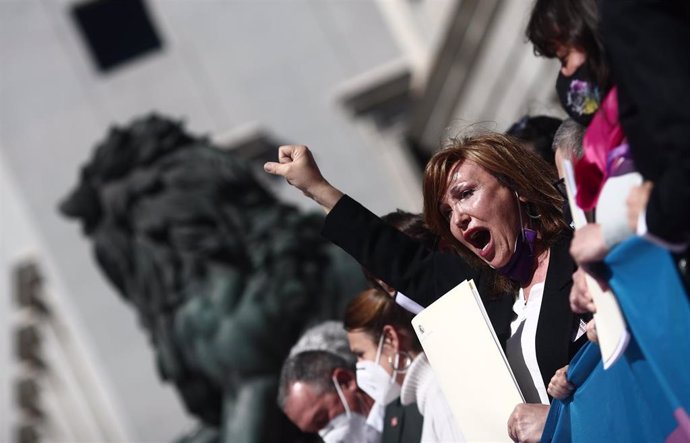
x,y
612,330
468,362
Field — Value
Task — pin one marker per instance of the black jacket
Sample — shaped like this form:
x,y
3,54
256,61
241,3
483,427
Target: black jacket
x,y
648,45
424,275
557,323
420,273
402,424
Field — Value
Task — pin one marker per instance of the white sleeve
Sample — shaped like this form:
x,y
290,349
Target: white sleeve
x,y
612,209
408,304
443,422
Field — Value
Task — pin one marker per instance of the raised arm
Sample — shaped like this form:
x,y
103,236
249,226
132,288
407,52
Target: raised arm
x,y
389,254
422,274
297,165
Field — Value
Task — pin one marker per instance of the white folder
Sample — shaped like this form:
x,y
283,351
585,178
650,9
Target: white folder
x,y
612,332
468,362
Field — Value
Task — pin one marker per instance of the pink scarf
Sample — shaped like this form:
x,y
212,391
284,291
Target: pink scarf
x,y
605,148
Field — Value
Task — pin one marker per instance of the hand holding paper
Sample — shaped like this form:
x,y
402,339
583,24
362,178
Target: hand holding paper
x,y
468,361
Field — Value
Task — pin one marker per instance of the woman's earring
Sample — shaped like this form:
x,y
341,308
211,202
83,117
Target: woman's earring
x,y
529,214
528,206
400,362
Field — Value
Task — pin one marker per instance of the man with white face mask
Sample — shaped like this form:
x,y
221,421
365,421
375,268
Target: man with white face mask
x,y
319,394
350,426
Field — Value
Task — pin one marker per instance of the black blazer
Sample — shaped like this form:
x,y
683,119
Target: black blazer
x,y
402,424
420,273
424,275
557,323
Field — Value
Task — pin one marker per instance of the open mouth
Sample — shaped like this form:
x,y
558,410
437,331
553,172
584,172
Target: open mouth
x,y
478,238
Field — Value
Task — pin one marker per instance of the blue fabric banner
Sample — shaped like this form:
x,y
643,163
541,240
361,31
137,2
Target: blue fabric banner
x,y
645,396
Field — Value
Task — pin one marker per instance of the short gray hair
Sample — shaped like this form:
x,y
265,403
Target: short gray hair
x,y
569,136
327,336
312,367
320,350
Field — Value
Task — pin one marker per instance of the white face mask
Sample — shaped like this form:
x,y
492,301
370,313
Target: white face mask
x,y
375,381
377,414
349,427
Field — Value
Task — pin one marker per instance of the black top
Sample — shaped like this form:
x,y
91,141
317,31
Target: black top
x,y
554,343
420,273
402,424
424,275
648,43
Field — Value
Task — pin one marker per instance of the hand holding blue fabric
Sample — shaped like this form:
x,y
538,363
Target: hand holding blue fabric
x,y
559,386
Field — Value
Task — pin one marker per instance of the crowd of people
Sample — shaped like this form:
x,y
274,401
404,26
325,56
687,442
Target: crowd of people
x,y
495,211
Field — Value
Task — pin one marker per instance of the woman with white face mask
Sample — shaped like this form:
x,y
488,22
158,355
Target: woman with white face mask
x,y
391,364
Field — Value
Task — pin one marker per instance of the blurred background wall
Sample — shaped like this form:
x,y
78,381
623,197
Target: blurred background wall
x,y
372,86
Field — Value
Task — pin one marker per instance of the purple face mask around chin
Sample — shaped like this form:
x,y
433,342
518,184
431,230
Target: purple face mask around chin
x,y
521,265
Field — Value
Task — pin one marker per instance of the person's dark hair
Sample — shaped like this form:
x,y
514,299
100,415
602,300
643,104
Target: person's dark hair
x,y
536,133
373,309
411,225
312,367
569,23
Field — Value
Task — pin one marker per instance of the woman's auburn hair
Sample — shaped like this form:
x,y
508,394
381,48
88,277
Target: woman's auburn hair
x,y
373,309
515,167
